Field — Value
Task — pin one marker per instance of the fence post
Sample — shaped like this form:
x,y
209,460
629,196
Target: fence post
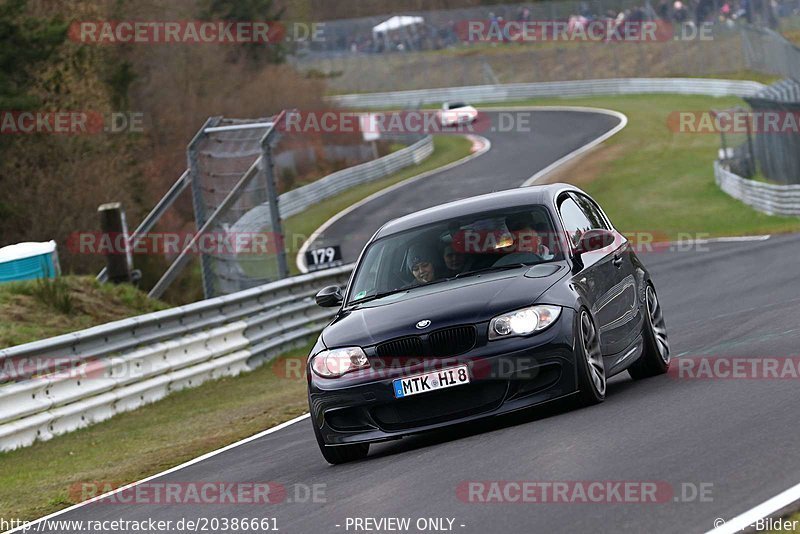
x,y
751,165
272,197
198,201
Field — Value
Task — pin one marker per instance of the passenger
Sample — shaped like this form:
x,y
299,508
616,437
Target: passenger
x,y
420,262
454,261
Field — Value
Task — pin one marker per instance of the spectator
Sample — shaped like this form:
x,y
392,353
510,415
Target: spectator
x,y
703,10
679,12
663,10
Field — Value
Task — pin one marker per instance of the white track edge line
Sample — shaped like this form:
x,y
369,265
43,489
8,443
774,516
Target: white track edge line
x,y
734,239
162,473
623,121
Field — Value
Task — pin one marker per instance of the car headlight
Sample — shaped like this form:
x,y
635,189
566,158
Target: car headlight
x,y
336,362
523,322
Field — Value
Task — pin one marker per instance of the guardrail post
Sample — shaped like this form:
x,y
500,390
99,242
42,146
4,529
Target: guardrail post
x,y
114,228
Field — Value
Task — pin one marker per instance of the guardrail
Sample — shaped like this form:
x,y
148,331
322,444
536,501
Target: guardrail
x,y
520,91
122,365
771,199
294,201
67,382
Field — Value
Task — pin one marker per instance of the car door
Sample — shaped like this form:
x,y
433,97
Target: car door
x,y
594,279
617,311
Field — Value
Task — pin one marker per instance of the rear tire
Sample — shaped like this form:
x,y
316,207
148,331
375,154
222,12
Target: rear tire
x,y
655,354
589,360
340,454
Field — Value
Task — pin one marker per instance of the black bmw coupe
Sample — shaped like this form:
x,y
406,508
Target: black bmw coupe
x,y
480,307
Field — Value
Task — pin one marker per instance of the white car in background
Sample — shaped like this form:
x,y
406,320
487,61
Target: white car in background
x,y
457,113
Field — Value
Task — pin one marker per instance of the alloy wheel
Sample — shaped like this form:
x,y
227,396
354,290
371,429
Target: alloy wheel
x,y
657,324
594,356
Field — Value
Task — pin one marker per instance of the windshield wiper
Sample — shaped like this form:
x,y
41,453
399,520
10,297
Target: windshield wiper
x,y
492,268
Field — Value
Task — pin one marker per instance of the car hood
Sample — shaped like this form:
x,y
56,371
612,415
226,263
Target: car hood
x,y
469,300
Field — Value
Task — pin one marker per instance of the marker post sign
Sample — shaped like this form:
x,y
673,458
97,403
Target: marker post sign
x,y
323,258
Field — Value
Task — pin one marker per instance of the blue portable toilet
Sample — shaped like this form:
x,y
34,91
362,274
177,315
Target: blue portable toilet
x,y
27,261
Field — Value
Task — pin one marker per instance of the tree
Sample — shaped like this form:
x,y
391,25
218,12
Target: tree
x,y
24,43
250,11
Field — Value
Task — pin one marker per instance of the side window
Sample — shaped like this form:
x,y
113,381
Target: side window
x,y
592,211
575,220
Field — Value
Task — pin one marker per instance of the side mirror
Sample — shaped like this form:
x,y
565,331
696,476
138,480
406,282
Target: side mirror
x,y
593,240
330,297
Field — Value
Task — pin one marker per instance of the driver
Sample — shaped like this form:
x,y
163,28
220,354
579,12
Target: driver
x,y
526,238
420,262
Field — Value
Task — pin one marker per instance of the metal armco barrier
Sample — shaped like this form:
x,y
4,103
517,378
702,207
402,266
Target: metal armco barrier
x,y
67,382
294,201
122,365
520,91
771,199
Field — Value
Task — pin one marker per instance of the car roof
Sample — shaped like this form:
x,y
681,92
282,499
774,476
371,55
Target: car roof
x,y
520,196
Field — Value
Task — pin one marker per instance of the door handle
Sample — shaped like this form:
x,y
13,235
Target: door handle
x,y
617,261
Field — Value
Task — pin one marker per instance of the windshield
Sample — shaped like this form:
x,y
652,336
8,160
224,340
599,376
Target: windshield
x,y
456,248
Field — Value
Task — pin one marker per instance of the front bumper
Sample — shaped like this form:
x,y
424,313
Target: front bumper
x,y
505,375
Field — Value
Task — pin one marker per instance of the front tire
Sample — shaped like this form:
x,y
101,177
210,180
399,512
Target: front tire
x,y
589,360
340,454
655,354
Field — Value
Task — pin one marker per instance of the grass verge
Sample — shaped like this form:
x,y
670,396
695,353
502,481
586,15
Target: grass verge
x,y
38,309
651,179
47,476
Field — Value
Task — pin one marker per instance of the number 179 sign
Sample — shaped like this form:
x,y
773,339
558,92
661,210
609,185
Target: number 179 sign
x,y
323,258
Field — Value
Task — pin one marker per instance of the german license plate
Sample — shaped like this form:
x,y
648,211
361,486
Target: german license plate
x,y
445,378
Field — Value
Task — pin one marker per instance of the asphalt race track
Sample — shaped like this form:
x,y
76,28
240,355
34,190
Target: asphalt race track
x,y
735,438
